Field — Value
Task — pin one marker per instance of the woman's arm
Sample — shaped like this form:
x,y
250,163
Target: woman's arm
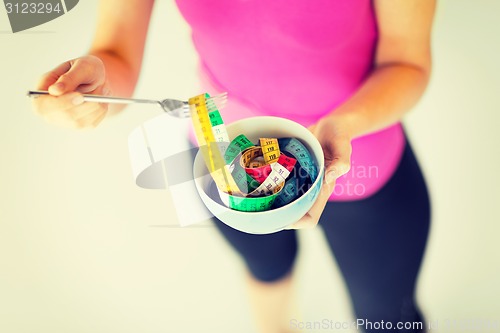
x,y
402,67
119,41
401,72
111,67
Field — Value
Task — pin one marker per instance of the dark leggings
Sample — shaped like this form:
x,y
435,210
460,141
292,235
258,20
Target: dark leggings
x,y
378,243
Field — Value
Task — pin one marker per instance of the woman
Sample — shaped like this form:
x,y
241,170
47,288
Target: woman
x,y
349,70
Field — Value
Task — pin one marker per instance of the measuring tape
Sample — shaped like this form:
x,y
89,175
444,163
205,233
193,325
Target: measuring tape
x,y
239,144
250,204
301,153
218,128
253,162
248,177
270,149
304,176
207,142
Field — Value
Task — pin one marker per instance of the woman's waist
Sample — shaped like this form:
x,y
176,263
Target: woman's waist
x,y
296,96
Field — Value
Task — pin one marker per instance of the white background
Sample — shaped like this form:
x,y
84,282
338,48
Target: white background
x,y
82,249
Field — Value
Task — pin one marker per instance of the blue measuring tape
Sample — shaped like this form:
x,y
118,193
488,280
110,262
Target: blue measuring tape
x,y
303,176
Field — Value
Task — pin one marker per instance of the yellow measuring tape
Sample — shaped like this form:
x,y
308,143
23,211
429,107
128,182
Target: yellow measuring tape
x,y
270,149
208,145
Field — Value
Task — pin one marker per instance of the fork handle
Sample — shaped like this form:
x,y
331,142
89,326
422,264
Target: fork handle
x,y
100,98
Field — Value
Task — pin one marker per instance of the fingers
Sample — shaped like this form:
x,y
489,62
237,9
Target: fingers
x,y
51,77
337,151
86,115
93,116
337,159
65,105
305,222
98,120
70,111
336,144
311,218
45,105
82,75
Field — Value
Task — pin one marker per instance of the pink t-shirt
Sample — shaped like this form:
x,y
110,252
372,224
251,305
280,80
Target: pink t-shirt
x,y
298,60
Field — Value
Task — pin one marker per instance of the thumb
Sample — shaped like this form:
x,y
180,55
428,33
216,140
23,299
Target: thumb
x,y
336,169
71,75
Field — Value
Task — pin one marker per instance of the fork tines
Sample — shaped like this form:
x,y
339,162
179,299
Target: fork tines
x,y
217,102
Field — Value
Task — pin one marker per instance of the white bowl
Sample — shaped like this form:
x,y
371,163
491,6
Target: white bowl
x,y
274,220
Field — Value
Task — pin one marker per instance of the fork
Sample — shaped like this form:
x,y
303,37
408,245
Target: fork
x,y
173,107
